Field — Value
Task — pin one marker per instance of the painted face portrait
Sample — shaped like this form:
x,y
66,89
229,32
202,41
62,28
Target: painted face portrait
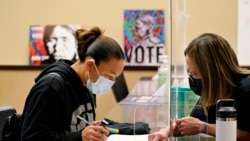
x,y
143,25
141,29
61,43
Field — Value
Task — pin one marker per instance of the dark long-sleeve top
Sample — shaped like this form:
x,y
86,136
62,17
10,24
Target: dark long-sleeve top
x,y
53,103
241,96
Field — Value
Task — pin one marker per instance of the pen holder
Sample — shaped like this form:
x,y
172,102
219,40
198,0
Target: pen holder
x,y
112,130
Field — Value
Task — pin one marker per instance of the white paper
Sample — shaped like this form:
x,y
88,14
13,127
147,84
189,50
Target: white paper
x,y
118,137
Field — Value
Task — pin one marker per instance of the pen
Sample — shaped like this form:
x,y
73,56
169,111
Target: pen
x,y
83,119
111,130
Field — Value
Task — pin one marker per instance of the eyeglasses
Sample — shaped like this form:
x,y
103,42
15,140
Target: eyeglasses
x,y
190,75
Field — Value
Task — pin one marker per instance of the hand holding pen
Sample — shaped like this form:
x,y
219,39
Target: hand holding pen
x,y
103,123
93,132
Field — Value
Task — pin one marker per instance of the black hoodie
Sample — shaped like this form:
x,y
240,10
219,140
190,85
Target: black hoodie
x,y
54,102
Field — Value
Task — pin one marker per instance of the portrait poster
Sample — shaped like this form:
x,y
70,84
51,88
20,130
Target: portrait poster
x,y
48,43
144,38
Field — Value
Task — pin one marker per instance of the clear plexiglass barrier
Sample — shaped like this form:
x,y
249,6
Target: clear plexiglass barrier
x,y
160,105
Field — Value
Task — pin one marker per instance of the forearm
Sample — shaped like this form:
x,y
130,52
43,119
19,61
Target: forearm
x,y
40,130
52,136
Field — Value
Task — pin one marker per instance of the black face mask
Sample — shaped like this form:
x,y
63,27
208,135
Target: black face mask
x,y
195,85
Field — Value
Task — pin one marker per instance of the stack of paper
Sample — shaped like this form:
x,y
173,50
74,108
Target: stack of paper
x,y
118,137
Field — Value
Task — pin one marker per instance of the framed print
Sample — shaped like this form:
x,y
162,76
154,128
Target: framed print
x,y
144,39
48,43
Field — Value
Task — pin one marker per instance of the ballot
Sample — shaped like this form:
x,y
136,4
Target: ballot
x,y
120,137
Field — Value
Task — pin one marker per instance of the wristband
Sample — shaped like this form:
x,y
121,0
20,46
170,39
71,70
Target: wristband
x,y
205,127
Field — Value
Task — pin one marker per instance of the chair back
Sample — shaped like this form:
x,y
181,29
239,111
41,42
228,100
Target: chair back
x,y
120,89
5,112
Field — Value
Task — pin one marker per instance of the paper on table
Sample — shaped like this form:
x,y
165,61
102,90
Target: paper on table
x,y
119,137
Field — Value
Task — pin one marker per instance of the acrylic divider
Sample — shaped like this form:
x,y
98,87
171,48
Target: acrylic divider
x,y
155,111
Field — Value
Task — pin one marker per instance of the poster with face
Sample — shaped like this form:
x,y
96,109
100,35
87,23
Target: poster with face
x,y
144,39
49,43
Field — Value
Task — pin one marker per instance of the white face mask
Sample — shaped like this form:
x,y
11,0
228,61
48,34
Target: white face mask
x,y
101,85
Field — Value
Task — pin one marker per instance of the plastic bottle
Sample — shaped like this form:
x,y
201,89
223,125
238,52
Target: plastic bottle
x,y
226,122
162,70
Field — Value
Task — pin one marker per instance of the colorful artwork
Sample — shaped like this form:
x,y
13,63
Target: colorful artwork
x,y
144,39
49,43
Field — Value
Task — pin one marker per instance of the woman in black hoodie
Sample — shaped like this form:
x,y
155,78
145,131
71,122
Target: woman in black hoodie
x,y
64,92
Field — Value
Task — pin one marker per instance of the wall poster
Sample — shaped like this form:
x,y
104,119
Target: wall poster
x,y
48,43
144,39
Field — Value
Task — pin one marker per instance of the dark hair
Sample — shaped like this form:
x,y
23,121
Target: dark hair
x,y
217,63
93,43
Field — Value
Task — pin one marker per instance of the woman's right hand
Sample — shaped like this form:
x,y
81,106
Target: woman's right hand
x,y
95,133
